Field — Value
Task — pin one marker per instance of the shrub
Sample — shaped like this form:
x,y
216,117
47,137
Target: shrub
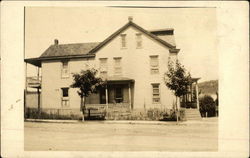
x,y
207,106
34,114
171,116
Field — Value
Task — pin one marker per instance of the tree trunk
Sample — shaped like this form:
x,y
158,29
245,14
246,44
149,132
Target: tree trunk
x,y
176,105
82,107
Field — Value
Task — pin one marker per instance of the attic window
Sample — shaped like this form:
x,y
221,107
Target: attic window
x,y
138,40
123,41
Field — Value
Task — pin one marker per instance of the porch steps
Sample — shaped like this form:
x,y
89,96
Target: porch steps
x,y
193,114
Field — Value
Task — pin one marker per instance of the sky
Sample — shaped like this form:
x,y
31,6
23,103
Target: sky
x,y
195,31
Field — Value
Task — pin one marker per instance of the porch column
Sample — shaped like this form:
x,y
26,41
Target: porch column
x,y
106,94
38,92
129,96
25,91
197,95
191,89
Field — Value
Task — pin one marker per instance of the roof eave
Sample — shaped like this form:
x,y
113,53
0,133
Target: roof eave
x,y
37,61
33,61
174,51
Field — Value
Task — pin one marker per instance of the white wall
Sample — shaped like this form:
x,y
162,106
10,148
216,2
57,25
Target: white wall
x,y
52,82
135,65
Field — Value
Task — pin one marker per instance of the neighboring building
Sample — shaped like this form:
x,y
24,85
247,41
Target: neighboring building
x,y
33,92
133,60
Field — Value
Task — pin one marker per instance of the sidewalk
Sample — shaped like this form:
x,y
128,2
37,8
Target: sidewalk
x,y
204,120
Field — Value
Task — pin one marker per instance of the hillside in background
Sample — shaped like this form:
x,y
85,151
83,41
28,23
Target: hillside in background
x,y
208,87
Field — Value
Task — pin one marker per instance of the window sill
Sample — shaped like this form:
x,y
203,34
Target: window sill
x,y
154,73
65,98
157,103
65,77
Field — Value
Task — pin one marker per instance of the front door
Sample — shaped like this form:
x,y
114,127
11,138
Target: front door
x,y
102,96
118,94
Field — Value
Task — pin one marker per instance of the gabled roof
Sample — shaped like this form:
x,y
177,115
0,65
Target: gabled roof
x,y
130,23
69,49
87,50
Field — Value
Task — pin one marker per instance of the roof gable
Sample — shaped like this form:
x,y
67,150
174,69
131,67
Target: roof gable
x,y
130,23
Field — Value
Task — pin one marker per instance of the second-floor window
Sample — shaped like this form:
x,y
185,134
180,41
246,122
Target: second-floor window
x,y
154,64
103,67
123,41
65,97
117,66
65,69
138,40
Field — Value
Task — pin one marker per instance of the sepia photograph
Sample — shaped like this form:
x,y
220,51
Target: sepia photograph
x,y
124,79
121,79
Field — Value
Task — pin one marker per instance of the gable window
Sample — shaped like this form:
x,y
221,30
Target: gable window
x,y
156,93
123,41
138,40
117,66
154,64
65,96
65,69
103,67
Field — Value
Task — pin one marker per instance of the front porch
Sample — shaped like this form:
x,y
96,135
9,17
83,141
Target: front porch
x,y
117,93
190,100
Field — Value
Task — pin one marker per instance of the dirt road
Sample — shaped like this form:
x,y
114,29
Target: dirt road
x,y
99,136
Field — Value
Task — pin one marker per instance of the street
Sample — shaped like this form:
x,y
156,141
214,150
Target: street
x,y
101,136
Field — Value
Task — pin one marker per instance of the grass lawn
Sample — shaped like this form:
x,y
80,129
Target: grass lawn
x,y
99,136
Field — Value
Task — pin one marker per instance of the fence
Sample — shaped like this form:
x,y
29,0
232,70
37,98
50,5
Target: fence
x,y
102,111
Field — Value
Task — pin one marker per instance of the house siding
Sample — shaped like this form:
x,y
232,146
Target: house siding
x,y
135,65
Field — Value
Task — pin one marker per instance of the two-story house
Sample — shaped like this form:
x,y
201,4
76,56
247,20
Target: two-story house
x,y
132,59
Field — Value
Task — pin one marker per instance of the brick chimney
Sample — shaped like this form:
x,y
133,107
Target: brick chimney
x,y
130,18
56,42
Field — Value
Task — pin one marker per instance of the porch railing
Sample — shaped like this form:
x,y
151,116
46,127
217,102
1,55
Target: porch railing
x,y
108,106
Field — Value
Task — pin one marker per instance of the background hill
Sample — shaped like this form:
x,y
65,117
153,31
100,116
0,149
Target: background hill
x,y
208,87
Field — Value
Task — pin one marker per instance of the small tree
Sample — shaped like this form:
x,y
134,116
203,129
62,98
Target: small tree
x,y
88,83
177,79
207,106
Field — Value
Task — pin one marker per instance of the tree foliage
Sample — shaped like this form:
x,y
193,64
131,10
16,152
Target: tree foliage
x,y
177,79
87,82
207,105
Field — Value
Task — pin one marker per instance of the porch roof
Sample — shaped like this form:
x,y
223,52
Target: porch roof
x,y
119,79
194,80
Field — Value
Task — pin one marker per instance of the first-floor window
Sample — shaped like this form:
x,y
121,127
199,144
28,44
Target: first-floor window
x,y
65,97
156,93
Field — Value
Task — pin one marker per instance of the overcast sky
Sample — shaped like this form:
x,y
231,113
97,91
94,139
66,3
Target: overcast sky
x,y
195,31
